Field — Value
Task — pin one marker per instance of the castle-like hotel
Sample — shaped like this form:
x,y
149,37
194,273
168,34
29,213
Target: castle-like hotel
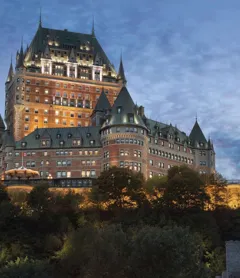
x,y
68,114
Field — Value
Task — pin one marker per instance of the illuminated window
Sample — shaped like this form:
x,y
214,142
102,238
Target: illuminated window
x,y
57,121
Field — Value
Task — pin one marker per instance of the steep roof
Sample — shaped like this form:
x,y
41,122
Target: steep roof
x,y
10,73
121,73
155,127
125,104
64,37
20,61
103,103
196,134
67,135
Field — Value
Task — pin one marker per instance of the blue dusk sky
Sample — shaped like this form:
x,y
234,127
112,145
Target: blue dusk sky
x,y
181,57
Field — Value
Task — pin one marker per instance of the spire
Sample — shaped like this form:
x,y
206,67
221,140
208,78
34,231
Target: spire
x,y
40,18
93,28
20,61
10,73
121,74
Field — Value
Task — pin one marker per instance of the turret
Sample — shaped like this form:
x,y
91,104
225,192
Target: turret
x,y
121,75
197,137
124,128
20,58
10,73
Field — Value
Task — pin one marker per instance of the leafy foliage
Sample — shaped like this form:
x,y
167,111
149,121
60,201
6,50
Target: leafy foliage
x,y
133,228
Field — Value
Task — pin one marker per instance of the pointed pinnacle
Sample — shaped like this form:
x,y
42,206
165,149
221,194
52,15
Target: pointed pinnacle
x,y
93,27
40,17
21,50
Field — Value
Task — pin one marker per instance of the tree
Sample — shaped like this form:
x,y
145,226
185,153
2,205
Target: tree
x,y
3,194
93,252
171,252
119,188
25,268
217,189
185,189
39,198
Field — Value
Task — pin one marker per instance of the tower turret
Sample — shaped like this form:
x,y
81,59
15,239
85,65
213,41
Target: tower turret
x,y
20,58
125,129
121,75
10,73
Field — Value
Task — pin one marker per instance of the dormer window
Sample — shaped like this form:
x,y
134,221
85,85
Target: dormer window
x,y
37,136
178,139
24,144
88,134
45,143
130,118
201,144
76,142
58,135
69,135
119,109
61,142
92,142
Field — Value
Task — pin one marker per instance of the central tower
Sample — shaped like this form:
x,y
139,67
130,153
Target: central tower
x,y
57,81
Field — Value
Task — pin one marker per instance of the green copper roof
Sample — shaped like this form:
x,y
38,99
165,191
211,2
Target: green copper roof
x,y
62,137
197,135
156,127
64,37
122,110
103,103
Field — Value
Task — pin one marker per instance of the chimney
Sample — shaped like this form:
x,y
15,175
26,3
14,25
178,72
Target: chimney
x,y
141,111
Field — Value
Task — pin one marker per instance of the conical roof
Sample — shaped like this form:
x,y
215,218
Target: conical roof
x,y
20,62
121,73
103,103
10,73
122,109
197,135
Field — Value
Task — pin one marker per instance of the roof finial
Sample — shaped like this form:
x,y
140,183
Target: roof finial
x,y
21,50
196,117
93,27
40,18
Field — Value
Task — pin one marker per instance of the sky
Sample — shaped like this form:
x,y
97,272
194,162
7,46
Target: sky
x,y
181,57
